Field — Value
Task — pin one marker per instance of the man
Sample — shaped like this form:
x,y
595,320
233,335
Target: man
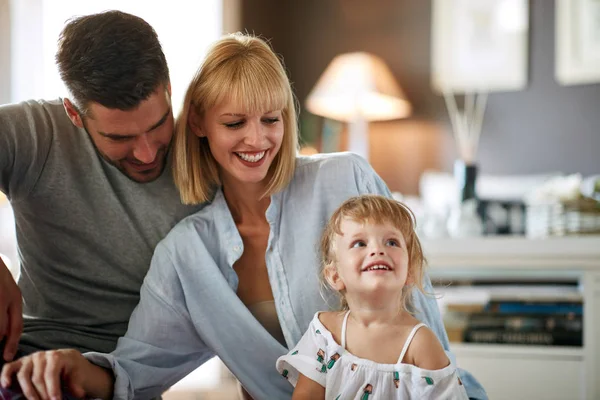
x,y
90,185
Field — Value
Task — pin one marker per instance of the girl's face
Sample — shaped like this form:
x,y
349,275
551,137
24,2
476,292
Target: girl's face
x,y
369,258
243,144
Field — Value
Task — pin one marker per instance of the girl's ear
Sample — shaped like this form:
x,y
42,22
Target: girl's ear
x,y
333,278
409,278
195,123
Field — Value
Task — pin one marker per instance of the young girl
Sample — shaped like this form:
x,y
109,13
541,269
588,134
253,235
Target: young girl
x,y
374,348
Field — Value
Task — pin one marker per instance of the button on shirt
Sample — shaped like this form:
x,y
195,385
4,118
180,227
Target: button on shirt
x,y
189,310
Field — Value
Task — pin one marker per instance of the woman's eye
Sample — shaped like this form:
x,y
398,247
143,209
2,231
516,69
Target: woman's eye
x,y
393,242
271,121
358,243
234,125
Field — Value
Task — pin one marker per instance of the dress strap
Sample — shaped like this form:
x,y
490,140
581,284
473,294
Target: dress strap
x,y
344,329
408,340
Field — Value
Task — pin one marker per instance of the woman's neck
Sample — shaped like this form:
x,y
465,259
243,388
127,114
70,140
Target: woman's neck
x,y
245,202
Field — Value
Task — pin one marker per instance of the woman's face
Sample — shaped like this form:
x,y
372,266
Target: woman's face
x,y
243,144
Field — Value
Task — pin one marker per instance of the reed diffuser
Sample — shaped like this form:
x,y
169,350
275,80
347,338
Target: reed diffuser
x,y
466,129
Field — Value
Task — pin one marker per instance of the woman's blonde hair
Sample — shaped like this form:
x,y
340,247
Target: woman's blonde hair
x,y
244,70
376,209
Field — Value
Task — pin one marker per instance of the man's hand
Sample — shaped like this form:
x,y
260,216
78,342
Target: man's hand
x,y
44,374
11,312
39,375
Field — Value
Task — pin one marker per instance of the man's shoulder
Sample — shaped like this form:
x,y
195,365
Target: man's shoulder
x,y
42,119
47,108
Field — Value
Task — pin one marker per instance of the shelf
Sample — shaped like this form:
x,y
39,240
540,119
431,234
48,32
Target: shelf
x,y
518,351
497,253
526,371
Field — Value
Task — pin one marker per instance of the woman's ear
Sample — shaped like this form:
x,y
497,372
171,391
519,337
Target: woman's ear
x,y
333,278
195,123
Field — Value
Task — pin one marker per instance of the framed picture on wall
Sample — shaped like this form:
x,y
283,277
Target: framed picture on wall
x,y
479,45
577,41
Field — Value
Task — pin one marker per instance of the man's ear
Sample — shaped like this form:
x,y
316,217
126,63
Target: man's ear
x,y
195,123
333,278
72,113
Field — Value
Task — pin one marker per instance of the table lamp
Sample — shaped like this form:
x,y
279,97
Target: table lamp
x,y
358,88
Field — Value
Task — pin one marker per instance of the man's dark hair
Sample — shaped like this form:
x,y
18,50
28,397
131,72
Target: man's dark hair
x,y
111,58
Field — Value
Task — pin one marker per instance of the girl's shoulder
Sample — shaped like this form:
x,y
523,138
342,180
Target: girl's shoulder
x,y
332,321
425,350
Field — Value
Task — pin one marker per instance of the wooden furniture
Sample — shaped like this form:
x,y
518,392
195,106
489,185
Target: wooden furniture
x,y
523,371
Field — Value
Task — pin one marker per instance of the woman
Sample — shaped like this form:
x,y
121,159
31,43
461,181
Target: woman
x,y
239,278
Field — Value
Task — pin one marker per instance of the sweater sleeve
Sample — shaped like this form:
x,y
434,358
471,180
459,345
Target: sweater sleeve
x,y
26,135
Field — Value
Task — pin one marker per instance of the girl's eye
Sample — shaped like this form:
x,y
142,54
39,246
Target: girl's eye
x,y
393,243
234,125
358,243
270,121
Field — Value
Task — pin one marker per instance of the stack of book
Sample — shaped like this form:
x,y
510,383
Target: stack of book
x,y
540,314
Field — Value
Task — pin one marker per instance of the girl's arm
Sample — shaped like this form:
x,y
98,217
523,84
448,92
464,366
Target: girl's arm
x,y
307,389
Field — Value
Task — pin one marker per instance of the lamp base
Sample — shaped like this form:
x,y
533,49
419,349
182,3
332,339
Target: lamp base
x,y
358,137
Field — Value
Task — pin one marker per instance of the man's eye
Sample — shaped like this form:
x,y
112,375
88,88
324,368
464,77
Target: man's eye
x,y
393,243
358,243
234,125
118,139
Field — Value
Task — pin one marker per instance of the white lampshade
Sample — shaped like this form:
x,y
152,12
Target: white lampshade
x,y
358,86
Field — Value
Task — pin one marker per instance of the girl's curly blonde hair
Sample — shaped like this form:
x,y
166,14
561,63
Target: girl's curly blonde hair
x,y
375,209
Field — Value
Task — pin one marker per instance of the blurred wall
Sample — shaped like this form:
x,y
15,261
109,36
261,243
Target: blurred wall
x,y
4,52
544,128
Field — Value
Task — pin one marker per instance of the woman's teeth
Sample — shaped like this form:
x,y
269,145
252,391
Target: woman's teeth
x,y
251,157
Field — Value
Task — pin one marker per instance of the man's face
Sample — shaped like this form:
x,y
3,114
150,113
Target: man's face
x,y
135,141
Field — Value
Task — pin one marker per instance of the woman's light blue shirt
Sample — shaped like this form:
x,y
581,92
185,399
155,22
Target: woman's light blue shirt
x,y
189,310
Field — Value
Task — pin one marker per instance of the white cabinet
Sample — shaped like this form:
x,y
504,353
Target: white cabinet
x,y
521,371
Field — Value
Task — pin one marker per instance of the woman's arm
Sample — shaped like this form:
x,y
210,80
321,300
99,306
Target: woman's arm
x,y
161,345
307,389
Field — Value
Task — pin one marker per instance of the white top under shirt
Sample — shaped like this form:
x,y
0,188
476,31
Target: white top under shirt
x,y
345,376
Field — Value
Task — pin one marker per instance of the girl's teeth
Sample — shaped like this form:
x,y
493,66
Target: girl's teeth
x,y
251,157
377,267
